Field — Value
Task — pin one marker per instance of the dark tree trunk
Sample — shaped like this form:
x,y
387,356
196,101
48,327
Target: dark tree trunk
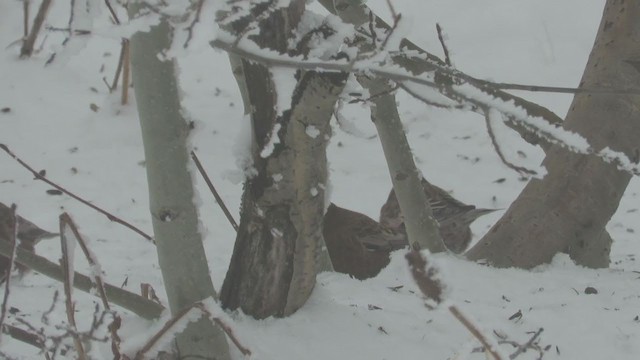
x,y
279,243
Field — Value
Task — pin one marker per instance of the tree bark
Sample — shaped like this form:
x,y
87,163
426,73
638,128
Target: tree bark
x,y
279,244
570,207
422,228
175,219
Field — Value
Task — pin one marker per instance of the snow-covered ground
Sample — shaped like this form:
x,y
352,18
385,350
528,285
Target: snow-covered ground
x,y
62,118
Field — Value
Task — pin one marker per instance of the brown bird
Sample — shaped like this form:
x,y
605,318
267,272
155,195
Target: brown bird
x,y
28,235
453,216
357,244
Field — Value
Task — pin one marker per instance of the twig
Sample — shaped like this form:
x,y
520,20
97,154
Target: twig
x,y
447,59
40,176
30,40
527,345
475,332
25,20
66,220
125,71
67,269
114,16
426,101
116,76
396,21
226,328
190,28
170,325
204,175
13,231
498,149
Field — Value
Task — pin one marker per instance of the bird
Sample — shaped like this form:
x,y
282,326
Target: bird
x,y
357,244
28,235
453,216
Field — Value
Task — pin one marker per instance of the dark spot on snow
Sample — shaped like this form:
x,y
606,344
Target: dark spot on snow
x,y
54,192
5,110
590,290
500,180
516,316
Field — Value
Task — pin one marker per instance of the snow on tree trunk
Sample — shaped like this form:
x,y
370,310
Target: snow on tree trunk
x,y
279,244
570,207
175,220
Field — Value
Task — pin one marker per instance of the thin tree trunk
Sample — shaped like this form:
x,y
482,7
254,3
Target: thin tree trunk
x,y
175,219
421,227
571,205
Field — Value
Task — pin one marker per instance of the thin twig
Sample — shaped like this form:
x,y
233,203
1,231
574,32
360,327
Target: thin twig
x,y
66,220
475,332
496,146
213,190
114,16
527,345
39,176
68,271
169,329
196,20
125,72
447,59
25,20
116,76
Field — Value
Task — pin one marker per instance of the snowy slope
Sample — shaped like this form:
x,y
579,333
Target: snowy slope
x,y
98,155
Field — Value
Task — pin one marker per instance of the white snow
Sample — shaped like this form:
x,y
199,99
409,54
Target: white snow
x,y
312,131
274,139
99,155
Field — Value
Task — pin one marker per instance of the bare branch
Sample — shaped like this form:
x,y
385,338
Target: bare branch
x,y
196,19
475,332
126,72
213,190
40,176
447,59
496,146
67,268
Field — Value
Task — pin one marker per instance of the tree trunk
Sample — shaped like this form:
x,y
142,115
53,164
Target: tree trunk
x,y
279,244
422,228
571,206
175,219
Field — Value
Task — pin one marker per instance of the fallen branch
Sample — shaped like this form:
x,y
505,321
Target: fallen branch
x,y
133,302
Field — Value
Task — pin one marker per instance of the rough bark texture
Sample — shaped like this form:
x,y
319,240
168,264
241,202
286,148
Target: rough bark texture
x,y
571,206
422,229
175,220
279,243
